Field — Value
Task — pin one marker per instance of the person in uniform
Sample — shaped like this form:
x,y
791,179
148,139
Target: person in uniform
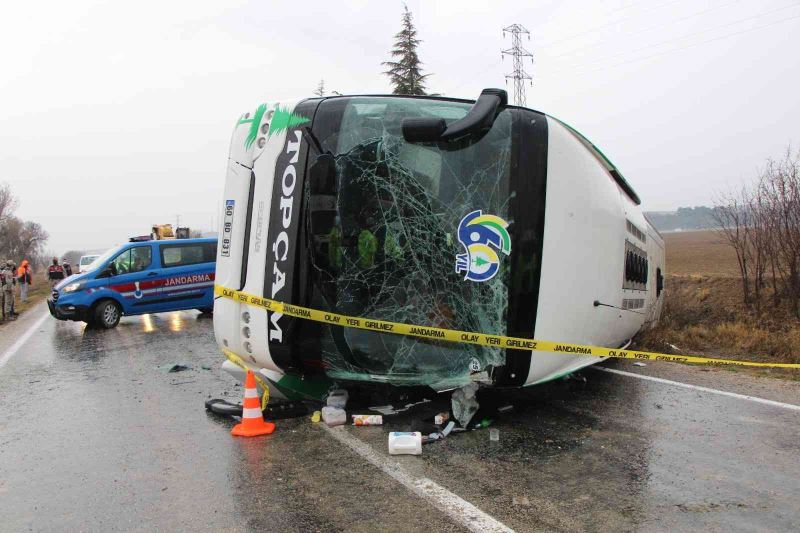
x,y
55,273
9,281
2,292
67,269
24,278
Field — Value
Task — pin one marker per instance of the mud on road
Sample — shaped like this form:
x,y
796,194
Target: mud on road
x,y
96,435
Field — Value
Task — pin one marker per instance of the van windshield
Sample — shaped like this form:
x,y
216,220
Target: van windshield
x,y
387,239
105,256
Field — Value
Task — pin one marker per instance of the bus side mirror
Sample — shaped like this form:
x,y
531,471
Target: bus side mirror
x,y
478,119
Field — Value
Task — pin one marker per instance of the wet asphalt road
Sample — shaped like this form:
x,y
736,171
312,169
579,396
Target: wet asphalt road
x,y
95,435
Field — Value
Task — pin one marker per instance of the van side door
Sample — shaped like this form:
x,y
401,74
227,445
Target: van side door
x,y
187,275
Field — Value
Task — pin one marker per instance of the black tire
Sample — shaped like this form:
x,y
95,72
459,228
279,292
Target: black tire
x,y
223,407
206,310
107,314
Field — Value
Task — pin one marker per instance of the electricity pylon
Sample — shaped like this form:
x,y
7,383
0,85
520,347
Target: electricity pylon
x,y
518,53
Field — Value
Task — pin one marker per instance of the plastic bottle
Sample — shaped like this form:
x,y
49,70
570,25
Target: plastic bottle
x,y
367,420
405,443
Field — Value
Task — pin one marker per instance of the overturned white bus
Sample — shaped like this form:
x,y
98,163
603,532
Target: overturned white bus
x,y
468,215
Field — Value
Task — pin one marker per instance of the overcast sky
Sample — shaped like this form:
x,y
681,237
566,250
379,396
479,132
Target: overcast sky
x,y
114,116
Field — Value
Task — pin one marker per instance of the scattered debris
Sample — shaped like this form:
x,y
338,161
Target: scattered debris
x,y
638,363
480,377
205,367
433,437
367,420
316,417
337,398
223,407
178,367
387,410
274,411
522,501
580,378
464,404
494,435
505,408
448,428
483,424
405,443
284,410
441,418
334,416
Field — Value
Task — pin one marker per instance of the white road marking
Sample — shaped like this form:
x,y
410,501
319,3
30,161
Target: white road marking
x,y
457,509
756,399
22,340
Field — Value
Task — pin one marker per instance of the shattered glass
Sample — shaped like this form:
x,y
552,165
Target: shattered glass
x,y
383,227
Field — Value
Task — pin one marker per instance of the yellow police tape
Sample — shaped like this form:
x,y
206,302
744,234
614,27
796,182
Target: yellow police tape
x,y
468,337
235,359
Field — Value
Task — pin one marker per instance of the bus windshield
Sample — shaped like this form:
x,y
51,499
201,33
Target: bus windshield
x,y
384,242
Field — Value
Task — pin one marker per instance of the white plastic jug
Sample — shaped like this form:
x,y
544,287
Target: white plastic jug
x,y
405,443
337,398
333,416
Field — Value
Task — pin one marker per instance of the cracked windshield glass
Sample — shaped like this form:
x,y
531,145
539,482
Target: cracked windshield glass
x,y
384,230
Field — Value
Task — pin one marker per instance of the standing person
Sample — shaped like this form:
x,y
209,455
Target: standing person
x,y
9,282
3,292
55,273
24,278
67,269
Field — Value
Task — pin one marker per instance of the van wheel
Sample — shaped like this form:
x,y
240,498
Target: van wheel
x,y
107,314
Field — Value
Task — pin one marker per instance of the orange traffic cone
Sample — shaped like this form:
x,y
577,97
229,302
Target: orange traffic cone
x,y
252,423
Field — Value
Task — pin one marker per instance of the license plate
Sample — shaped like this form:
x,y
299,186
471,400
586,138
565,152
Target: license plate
x,y
227,228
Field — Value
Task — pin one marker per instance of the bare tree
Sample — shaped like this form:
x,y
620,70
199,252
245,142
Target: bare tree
x,y
731,217
18,239
762,225
8,202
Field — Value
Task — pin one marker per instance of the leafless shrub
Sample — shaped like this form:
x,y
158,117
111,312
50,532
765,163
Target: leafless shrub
x,y
762,224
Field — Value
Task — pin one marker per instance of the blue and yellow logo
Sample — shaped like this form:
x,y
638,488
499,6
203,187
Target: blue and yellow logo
x,y
482,236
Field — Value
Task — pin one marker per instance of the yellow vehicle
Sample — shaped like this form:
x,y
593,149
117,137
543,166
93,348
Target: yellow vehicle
x,y
162,232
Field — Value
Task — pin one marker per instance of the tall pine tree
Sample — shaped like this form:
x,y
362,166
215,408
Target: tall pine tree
x,y
320,90
405,71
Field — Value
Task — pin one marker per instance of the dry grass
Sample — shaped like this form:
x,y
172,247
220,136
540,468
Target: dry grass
x,y
704,313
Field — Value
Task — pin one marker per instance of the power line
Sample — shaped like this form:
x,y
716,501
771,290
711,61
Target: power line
x,y
666,52
518,53
590,30
682,37
642,30
600,27
483,69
